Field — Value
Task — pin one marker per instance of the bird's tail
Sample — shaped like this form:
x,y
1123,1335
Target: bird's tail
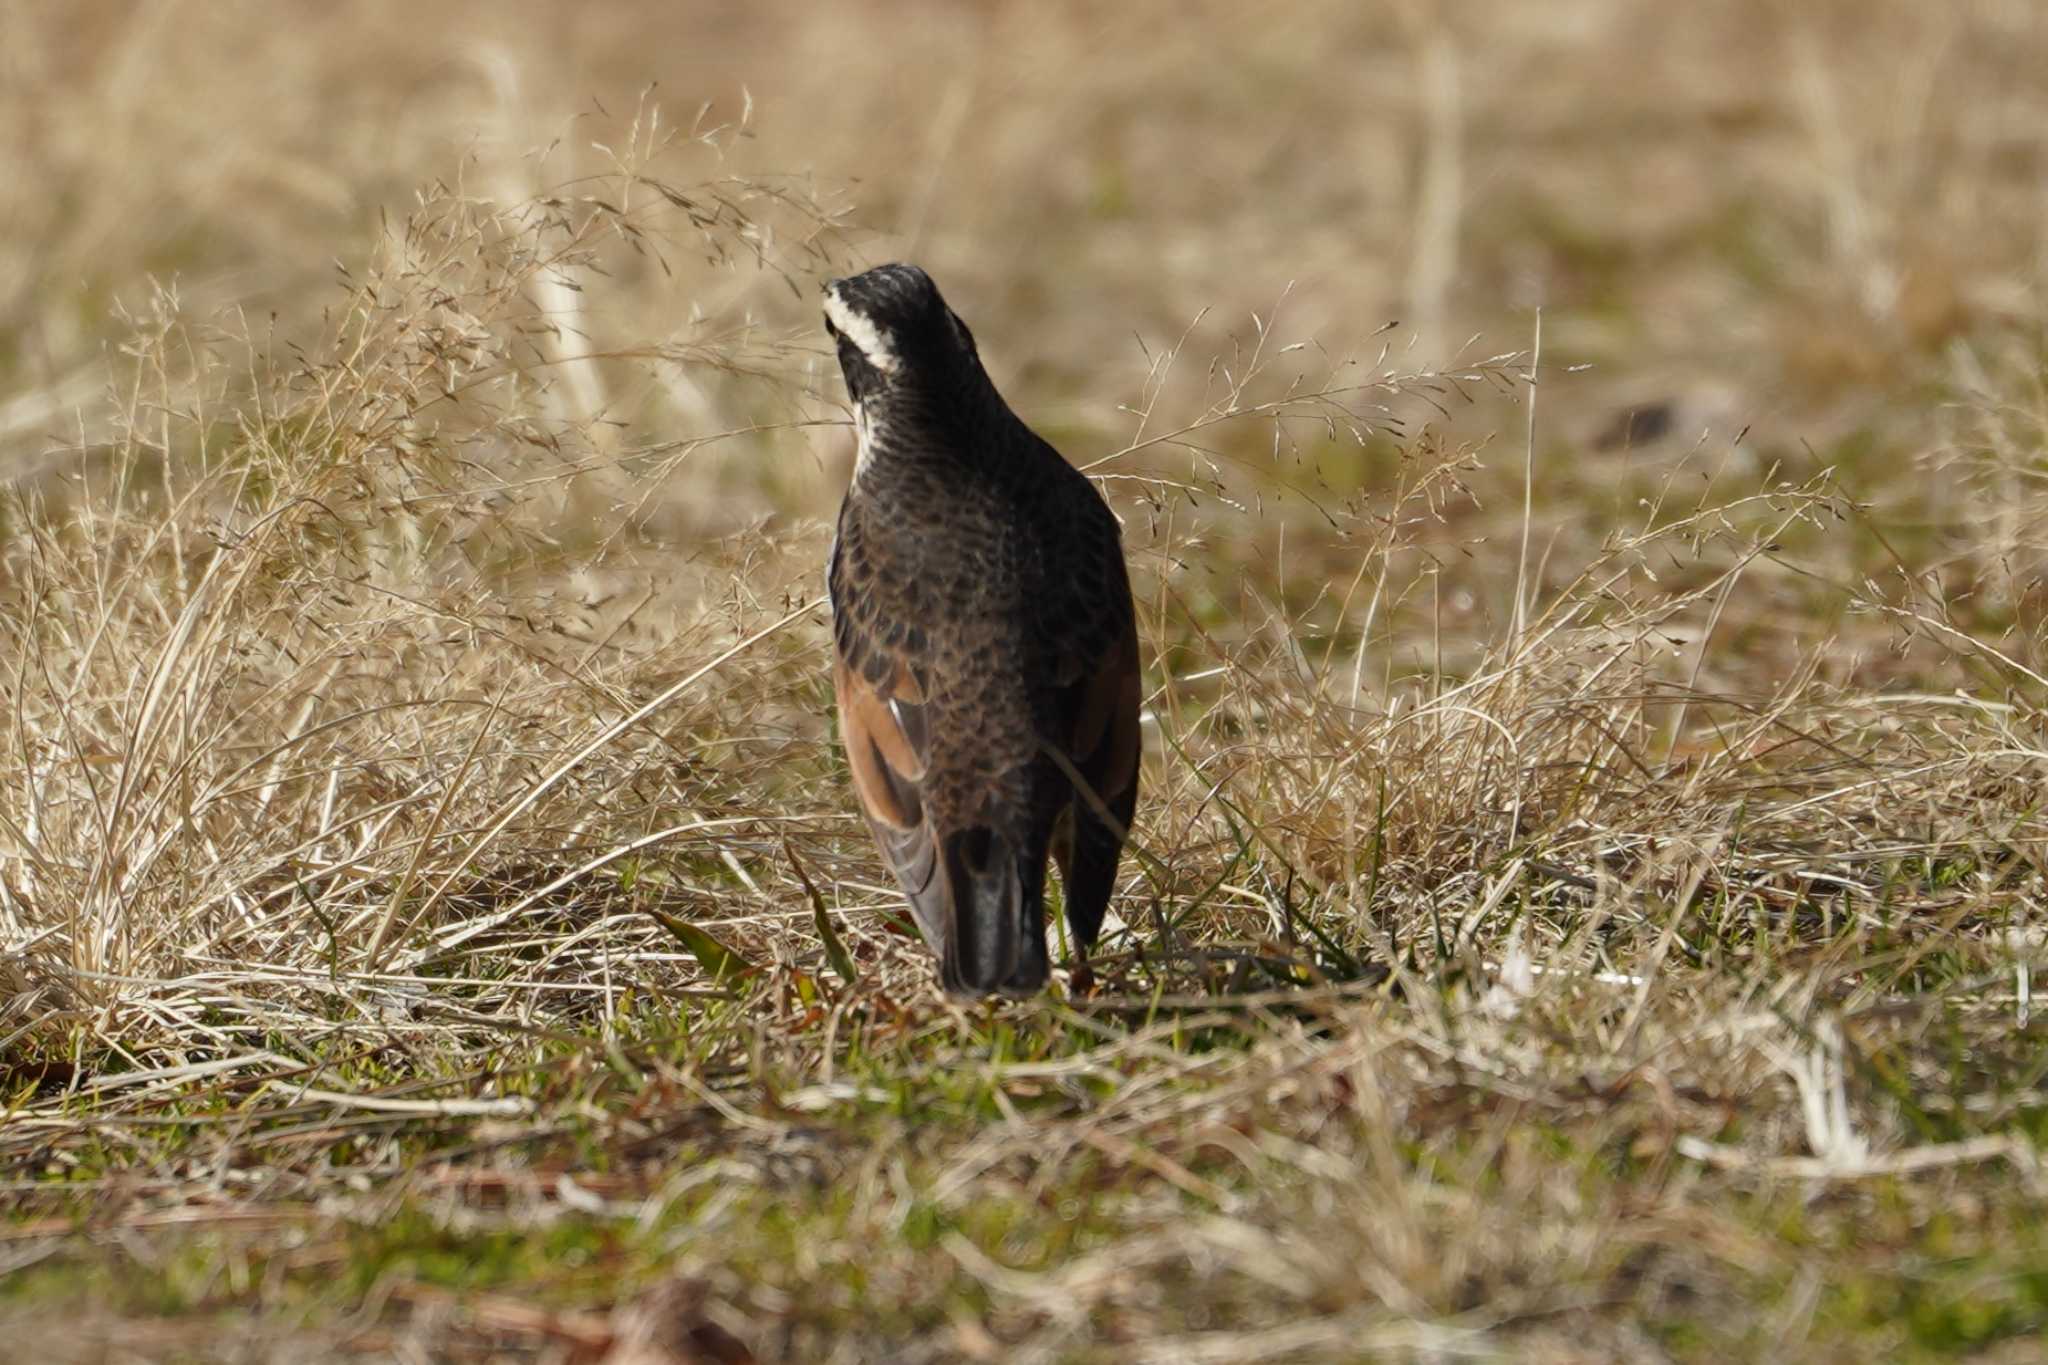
x,y
997,942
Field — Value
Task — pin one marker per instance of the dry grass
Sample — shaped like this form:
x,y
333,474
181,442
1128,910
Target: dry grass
x,y
1593,850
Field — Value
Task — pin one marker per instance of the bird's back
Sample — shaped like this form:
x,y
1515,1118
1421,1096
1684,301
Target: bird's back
x,y
962,577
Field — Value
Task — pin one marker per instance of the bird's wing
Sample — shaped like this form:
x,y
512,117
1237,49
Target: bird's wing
x,y
1103,742
880,679
1101,699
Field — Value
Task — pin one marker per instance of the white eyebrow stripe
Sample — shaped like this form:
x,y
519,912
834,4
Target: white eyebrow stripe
x,y
862,332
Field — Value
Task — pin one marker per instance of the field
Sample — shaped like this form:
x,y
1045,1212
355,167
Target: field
x,y
1583,467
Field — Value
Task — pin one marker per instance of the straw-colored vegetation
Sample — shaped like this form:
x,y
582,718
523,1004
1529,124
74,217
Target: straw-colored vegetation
x,y
1593,841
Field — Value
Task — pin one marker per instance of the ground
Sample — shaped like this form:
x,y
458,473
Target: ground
x,y
1581,467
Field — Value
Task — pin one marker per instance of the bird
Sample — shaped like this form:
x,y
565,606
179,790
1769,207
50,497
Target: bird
x,y
985,647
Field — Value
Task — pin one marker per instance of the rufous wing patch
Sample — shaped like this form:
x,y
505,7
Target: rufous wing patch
x,y
886,765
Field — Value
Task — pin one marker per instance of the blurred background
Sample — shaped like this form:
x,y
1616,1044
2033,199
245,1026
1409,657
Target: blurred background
x,y
1816,222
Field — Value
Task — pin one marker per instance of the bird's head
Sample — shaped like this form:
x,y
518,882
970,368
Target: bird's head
x,y
895,334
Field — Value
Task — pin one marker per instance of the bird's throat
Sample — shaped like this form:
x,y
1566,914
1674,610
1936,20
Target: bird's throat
x,y
863,442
